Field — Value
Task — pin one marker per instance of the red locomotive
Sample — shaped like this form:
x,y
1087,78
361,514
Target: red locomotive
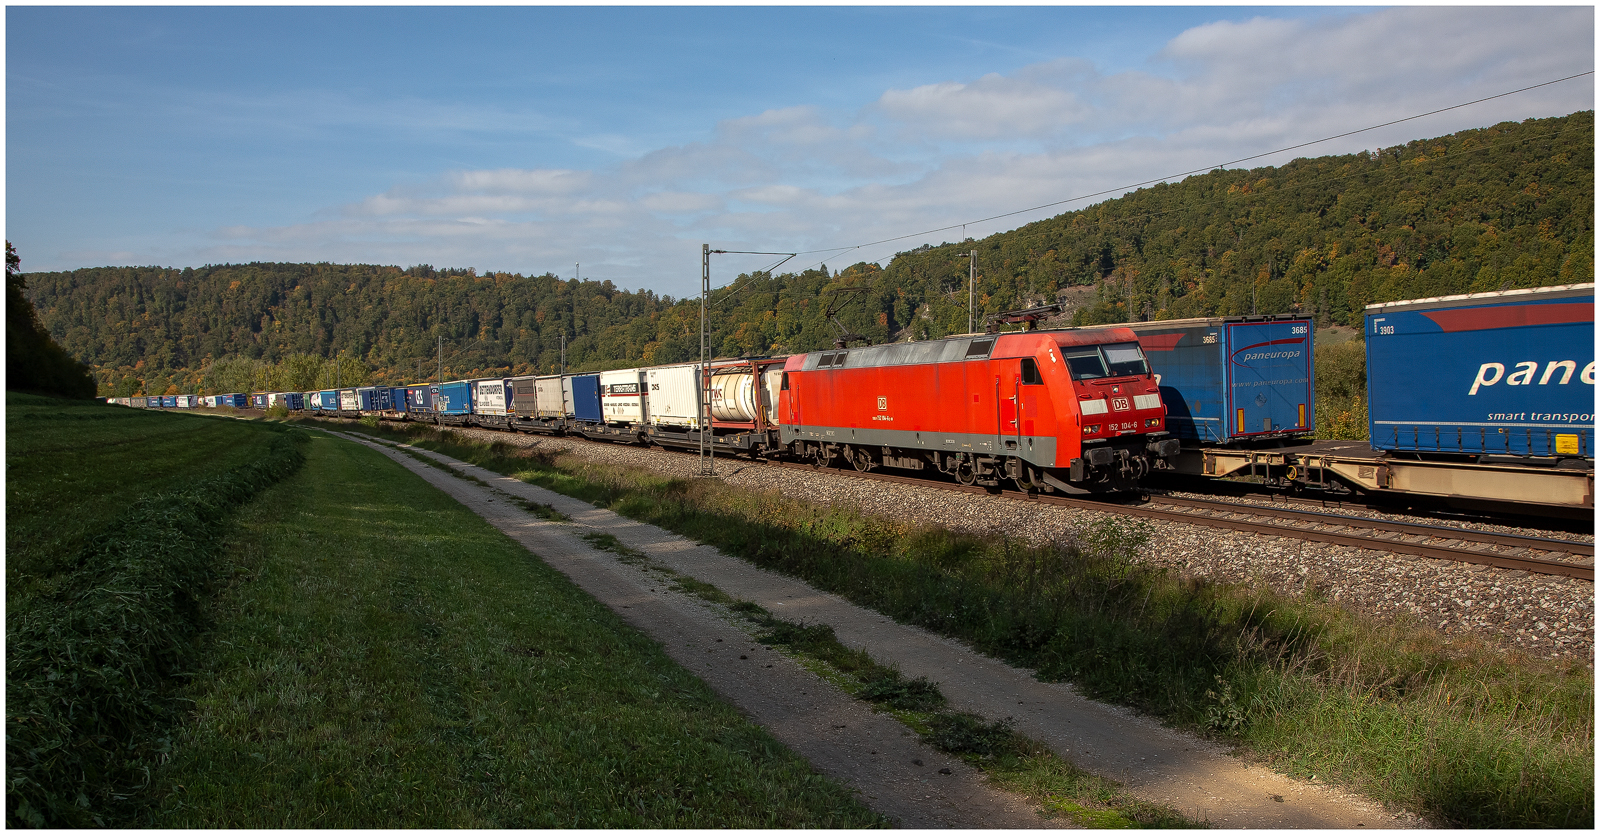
x,y
1069,410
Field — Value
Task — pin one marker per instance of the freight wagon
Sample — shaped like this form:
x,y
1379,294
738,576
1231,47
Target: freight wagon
x,y
622,406
452,402
1514,375
586,410
1233,382
419,402
490,406
1482,401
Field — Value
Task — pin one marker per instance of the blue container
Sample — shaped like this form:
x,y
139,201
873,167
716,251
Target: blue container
x,y
419,400
454,398
1228,381
328,400
258,401
397,399
372,399
1507,373
586,398
293,401
241,401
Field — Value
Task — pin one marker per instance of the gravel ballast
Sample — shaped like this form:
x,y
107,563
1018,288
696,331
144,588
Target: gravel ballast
x,y
1539,615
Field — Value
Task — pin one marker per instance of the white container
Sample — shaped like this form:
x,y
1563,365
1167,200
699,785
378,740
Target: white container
x,y
772,381
348,401
622,396
567,400
674,395
550,396
489,397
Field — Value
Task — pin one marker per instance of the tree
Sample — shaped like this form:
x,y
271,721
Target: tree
x,y
34,362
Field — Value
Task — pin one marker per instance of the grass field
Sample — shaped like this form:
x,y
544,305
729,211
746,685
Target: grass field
x,y
1455,731
73,466
215,634
385,658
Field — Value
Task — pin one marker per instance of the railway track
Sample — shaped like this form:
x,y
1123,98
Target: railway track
x,y
1516,552
1534,554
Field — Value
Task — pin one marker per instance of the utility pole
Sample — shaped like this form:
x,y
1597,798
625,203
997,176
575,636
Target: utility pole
x,y
441,359
972,292
708,453
708,463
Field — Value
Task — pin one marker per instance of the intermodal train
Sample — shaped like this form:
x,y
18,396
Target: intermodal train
x,y
1482,401
1069,411
1098,409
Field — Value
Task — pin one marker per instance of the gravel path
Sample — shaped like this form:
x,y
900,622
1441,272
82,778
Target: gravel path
x,y
843,738
1536,614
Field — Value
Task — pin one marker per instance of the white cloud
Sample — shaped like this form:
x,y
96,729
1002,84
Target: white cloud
x,y
799,177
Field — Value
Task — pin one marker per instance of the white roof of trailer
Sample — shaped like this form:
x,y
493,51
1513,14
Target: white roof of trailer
x,y
1486,298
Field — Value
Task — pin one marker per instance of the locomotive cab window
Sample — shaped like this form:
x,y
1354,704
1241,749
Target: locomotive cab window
x,y
1085,364
1030,373
1126,360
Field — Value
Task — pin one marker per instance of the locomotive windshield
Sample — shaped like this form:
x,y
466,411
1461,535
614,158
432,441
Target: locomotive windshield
x,y
1125,360
1121,360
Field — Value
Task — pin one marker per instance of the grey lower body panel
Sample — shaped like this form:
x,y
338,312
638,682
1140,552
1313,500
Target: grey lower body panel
x,y
1038,450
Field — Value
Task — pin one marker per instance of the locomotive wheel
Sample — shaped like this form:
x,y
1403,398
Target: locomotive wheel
x,y
966,473
861,460
1028,481
823,458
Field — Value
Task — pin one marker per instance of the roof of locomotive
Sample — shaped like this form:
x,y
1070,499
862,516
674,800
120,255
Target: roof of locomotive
x,y
961,348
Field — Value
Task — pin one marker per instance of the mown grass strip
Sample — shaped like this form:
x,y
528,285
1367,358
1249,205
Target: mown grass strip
x,y
386,658
92,667
1456,731
72,467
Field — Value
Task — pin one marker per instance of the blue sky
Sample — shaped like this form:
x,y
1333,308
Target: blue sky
x,y
528,139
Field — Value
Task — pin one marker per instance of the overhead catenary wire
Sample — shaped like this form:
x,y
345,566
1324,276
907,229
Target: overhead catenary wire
x,y
1166,178
832,251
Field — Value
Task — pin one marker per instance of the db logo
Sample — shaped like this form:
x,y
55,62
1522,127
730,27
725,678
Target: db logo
x,y
883,404
1119,403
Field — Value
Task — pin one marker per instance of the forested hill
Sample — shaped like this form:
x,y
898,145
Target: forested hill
x,y
1497,208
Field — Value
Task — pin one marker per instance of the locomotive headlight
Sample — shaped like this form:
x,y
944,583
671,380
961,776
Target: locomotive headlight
x,y
1152,421
1091,429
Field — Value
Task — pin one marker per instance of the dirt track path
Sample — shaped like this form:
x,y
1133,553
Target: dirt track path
x,y
844,738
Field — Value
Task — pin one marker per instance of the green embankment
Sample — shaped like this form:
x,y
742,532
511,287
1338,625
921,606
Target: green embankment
x,y
385,658
73,466
189,645
1454,730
